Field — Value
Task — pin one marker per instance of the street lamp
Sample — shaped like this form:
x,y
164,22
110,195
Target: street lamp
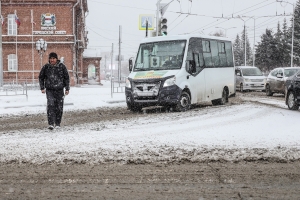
x,y
292,48
157,15
225,29
41,47
239,17
253,51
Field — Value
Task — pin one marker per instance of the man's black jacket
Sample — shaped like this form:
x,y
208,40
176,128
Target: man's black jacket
x,y
54,77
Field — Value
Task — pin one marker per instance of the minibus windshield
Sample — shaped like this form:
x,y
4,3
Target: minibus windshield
x,y
164,55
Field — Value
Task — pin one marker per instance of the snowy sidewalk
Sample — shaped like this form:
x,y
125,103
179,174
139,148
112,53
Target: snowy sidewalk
x,y
84,97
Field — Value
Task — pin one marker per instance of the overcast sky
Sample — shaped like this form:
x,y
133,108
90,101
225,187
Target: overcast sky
x,y
184,16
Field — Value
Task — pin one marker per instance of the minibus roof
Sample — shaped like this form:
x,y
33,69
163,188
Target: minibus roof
x,y
182,37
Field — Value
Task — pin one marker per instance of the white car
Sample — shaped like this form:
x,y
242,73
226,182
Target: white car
x,y
249,78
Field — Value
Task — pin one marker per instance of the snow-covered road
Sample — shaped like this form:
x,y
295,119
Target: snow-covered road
x,y
247,131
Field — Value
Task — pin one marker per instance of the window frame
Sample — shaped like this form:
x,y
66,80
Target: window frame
x,y
206,48
12,65
11,25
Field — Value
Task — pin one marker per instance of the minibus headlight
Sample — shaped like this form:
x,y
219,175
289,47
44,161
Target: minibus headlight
x,y
170,81
128,84
247,80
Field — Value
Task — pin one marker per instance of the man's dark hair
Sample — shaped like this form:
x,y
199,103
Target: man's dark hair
x,y
53,55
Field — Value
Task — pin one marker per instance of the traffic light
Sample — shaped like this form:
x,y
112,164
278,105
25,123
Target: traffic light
x,y
163,26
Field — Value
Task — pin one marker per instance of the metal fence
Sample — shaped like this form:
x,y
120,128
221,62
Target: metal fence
x,y
20,87
118,86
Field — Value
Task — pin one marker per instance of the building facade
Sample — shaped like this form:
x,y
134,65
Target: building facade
x,y
59,25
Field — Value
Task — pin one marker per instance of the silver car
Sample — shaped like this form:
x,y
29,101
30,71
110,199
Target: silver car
x,y
277,78
249,78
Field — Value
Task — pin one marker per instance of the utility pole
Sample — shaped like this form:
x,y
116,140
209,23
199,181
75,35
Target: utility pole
x,y
292,47
111,71
292,55
254,18
245,42
254,45
157,15
1,57
119,57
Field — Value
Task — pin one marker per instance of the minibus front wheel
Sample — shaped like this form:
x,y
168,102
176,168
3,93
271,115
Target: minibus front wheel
x,y
184,102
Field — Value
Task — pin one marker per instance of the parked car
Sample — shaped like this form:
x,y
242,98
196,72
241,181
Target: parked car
x,y
276,79
292,91
249,78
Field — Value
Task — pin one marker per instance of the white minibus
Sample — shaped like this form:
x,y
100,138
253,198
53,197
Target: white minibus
x,y
177,71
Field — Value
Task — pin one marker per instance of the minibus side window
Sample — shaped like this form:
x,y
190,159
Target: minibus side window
x,y
198,57
222,54
195,54
228,49
207,53
215,53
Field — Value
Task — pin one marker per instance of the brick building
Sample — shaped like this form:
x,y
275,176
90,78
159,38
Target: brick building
x,y
61,23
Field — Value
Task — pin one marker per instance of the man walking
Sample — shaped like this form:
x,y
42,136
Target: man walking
x,y
53,78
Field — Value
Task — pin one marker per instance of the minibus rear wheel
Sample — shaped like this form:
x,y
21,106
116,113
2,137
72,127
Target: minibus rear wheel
x,y
184,102
221,101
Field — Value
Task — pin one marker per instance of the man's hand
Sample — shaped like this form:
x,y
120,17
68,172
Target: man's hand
x,y
66,92
43,91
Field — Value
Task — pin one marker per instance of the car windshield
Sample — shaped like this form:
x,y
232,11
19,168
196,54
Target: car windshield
x,y
163,55
251,72
290,72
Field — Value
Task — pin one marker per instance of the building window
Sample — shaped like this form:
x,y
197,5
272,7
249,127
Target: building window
x,y
12,63
12,25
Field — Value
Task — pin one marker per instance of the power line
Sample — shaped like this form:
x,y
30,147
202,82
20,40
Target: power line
x,y
179,23
228,17
98,33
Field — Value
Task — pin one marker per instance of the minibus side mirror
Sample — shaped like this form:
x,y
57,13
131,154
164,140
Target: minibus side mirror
x,y
190,66
130,65
238,74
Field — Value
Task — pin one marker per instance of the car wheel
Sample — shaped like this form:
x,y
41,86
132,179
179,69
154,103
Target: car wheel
x,y
184,102
291,101
241,88
268,91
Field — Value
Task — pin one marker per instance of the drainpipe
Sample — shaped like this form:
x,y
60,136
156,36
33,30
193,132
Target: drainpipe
x,y
1,51
82,22
74,47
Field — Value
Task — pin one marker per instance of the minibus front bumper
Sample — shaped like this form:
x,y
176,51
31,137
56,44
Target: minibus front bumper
x,y
164,96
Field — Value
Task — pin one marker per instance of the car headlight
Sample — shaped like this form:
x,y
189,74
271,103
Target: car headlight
x,y
128,84
170,81
247,80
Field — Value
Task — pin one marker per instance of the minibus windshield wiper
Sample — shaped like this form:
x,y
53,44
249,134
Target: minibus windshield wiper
x,y
140,69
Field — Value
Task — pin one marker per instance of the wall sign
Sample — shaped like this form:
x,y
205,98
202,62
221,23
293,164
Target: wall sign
x,y
48,22
48,19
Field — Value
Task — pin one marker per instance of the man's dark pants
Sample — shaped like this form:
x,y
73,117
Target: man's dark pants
x,y
55,105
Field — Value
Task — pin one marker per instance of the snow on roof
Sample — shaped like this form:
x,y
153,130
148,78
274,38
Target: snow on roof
x,y
181,37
